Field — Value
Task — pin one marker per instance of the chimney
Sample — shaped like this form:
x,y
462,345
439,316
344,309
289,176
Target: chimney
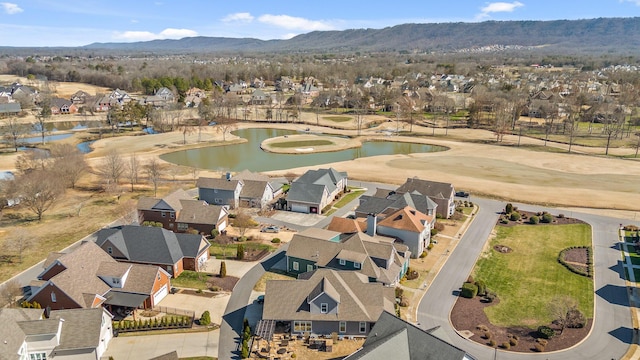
x,y
372,223
228,176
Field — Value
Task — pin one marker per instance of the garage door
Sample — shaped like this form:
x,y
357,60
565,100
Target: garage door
x,y
300,208
157,297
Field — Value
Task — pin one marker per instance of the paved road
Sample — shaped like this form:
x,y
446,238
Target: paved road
x,y
612,330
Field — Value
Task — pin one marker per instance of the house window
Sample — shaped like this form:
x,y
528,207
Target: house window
x,y
324,308
343,327
296,266
116,281
356,265
158,276
170,225
309,267
38,356
301,326
110,250
164,214
342,262
183,226
363,327
53,297
172,215
169,269
217,201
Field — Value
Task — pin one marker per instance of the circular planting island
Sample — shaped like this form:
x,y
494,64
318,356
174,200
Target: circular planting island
x,y
307,143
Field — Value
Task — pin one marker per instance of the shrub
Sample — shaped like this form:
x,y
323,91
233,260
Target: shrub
x,y
205,319
508,209
534,220
512,336
492,343
245,351
487,335
293,356
412,274
430,246
423,254
539,348
223,269
214,233
470,279
399,292
434,232
404,301
242,239
515,216
542,342
547,218
240,252
275,240
560,216
575,319
482,327
506,345
504,221
469,290
439,226
546,332
482,288
513,342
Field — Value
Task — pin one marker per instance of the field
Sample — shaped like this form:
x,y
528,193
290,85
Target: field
x,y
529,277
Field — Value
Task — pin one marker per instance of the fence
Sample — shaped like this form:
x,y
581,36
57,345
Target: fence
x,y
171,319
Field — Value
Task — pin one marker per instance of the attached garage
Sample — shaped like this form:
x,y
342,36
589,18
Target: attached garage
x,y
300,208
161,294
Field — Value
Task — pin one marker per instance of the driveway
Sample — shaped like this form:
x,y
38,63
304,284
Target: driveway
x,y
612,331
149,346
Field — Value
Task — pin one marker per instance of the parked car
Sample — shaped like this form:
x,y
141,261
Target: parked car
x,y
270,229
463,194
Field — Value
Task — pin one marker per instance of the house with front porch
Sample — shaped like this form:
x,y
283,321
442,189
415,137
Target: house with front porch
x,y
155,246
378,258
327,301
88,277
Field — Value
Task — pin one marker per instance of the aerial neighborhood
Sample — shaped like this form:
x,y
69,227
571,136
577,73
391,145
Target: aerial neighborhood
x,y
326,196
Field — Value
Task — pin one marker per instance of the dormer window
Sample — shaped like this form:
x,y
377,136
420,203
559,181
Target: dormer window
x,y
110,250
356,265
324,308
342,262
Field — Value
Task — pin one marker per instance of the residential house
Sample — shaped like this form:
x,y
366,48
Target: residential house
x,y
376,257
258,97
179,212
10,109
116,98
441,193
220,191
385,202
394,338
257,191
65,335
408,225
315,189
80,97
88,277
162,97
327,301
155,246
62,106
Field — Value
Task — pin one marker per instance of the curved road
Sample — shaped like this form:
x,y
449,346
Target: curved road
x,y
612,331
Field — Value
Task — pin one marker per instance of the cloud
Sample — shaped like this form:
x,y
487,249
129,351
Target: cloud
x,y
241,17
294,23
637,2
11,8
496,7
168,33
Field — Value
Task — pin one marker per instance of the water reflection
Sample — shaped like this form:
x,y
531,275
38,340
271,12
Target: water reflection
x,y
248,155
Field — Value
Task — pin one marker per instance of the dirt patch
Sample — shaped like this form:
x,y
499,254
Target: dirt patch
x,y
502,249
468,315
576,256
226,283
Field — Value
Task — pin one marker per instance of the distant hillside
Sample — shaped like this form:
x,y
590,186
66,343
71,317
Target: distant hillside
x,y
618,35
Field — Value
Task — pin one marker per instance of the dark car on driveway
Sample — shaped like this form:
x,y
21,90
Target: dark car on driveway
x,y
463,194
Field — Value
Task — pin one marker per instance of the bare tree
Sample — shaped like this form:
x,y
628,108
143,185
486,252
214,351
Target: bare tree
x,y
36,159
18,242
68,163
10,292
128,211
39,190
133,169
154,170
225,125
14,131
564,311
243,221
44,114
195,171
112,168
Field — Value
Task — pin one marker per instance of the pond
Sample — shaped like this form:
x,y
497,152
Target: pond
x,y
250,156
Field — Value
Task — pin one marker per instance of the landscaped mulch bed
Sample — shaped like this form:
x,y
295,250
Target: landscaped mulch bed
x,y
525,215
226,283
577,258
467,314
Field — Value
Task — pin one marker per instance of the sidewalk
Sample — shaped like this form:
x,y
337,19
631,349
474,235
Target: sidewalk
x,y
634,299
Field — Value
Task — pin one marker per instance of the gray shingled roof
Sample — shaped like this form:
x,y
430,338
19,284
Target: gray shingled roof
x,y
306,193
384,200
172,201
215,183
152,245
359,299
11,334
432,189
253,189
327,177
80,330
199,212
394,338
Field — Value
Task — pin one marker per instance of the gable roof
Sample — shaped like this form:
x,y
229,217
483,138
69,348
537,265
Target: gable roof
x,y
169,202
199,212
327,177
11,334
220,184
347,226
306,193
394,338
248,175
253,189
359,299
408,219
432,189
148,244
385,201
80,330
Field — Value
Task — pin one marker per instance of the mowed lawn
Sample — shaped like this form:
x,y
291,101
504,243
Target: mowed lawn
x,y
528,278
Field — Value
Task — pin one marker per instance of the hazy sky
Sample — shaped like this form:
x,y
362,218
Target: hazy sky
x,y
81,22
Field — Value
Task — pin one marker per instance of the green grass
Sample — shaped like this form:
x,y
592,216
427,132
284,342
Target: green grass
x,y
191,279
527,279
297,144
229,251
337,118
344,201
261,285
416,283
635,258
